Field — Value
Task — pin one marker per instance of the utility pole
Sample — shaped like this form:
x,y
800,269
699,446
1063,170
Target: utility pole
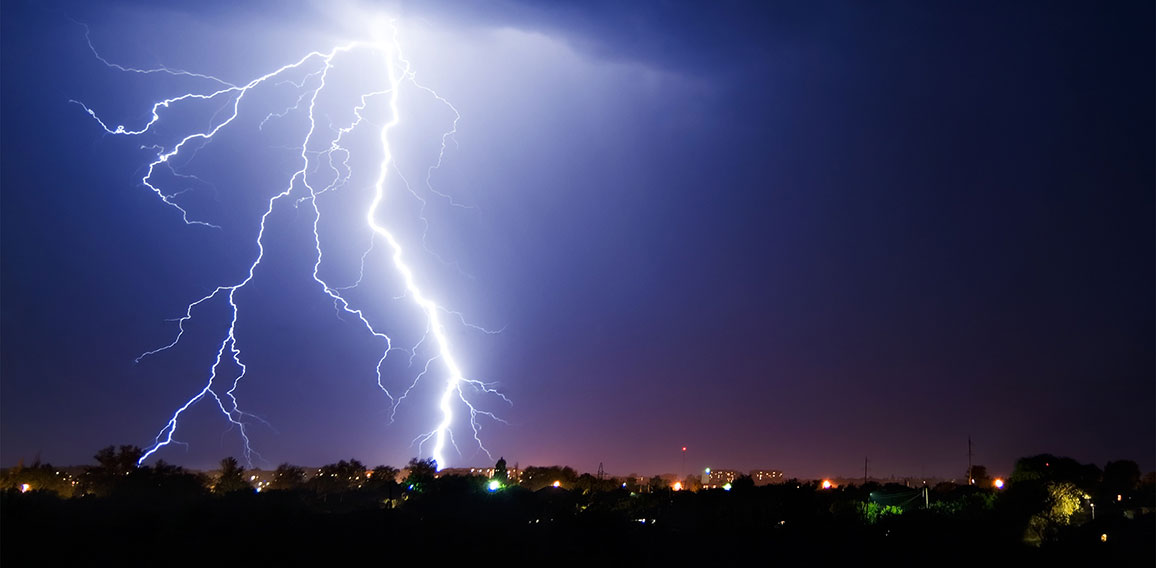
x,y
865,470
683,472
601,472
969,478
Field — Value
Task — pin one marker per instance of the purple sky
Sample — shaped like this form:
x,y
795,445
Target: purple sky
x,y
784,237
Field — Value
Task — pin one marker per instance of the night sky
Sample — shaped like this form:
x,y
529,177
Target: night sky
x,y
785,237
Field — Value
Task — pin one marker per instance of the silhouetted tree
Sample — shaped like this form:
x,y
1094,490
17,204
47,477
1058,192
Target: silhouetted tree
x,y
383,474
111,471
118,462
382,483
118,475
743,483
979,476
339,477
586,483
167,481
232,477
1120,477
421,473
500,473
1046,467
287,477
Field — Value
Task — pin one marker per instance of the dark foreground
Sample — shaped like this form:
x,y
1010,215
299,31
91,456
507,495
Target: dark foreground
x,y
767,525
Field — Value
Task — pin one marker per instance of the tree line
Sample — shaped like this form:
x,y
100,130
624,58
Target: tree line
x,y
1056,506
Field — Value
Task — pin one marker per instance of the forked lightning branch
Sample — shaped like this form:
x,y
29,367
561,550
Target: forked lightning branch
x,y
323,156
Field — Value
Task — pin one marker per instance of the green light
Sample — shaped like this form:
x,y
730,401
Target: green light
x,y
494,485
727,487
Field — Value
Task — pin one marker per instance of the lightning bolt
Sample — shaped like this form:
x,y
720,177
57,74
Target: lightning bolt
x,y
324,159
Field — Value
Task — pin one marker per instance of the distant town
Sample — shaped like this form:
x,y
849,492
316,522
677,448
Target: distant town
x,y
1050,509
532,477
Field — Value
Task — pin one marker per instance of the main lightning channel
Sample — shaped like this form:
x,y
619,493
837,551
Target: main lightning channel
x,y
453,386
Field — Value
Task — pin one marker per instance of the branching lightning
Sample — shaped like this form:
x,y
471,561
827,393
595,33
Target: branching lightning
x,y
321,150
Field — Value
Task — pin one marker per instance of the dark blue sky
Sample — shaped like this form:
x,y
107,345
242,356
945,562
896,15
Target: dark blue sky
x,y
785,237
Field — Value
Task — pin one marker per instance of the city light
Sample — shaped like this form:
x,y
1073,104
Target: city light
x,y
557,484
827,484
677,486
494,485
25,487
998,483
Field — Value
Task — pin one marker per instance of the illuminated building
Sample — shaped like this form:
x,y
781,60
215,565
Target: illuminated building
x,y
717,478
766,476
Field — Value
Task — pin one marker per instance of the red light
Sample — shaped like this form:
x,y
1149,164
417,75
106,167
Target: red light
x,y
684,448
